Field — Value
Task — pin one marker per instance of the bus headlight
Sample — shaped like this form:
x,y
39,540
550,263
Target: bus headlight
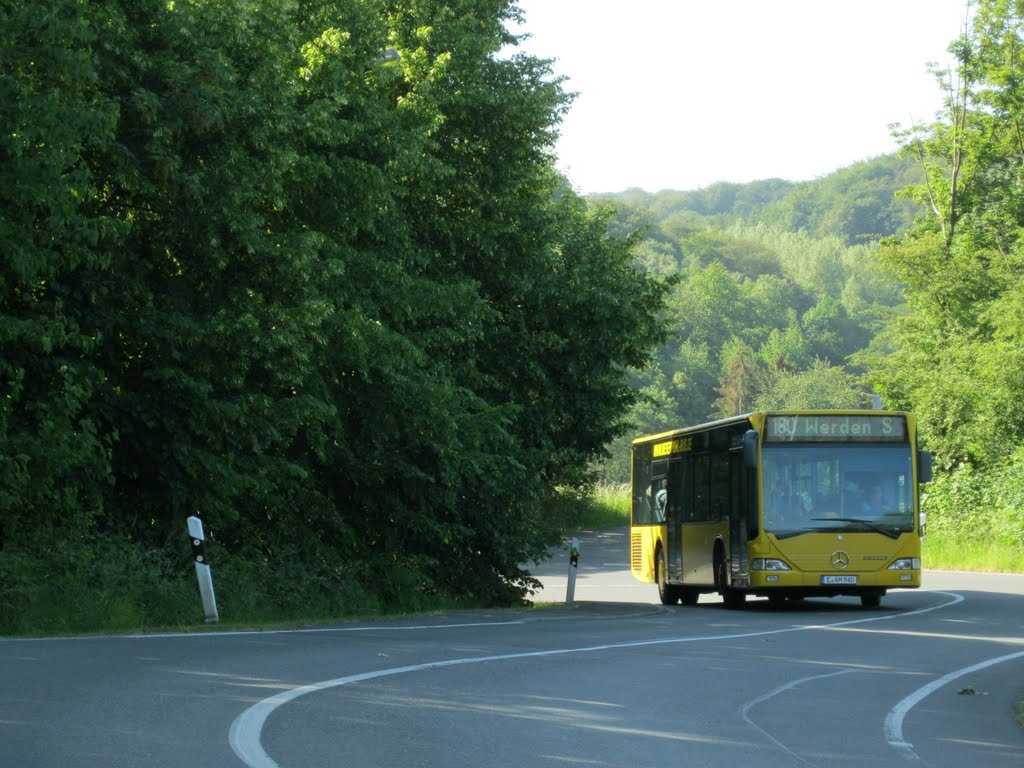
x,y
906,564
769,564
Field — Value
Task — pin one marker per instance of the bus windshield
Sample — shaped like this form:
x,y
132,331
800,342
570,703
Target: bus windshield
x,y
837,487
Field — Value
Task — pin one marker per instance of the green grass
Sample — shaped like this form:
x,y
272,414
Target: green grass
x,y
954,555
608,507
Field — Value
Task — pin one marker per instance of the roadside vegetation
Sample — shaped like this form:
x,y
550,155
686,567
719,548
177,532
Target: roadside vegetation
x,y
321,286
341,305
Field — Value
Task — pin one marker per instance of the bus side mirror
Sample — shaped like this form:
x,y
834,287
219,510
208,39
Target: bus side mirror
x,y
750,449
924,466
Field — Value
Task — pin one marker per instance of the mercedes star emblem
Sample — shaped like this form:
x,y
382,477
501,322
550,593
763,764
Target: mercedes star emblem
x,y
840,559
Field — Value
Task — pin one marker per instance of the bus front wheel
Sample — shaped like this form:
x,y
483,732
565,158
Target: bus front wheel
x,y
871,599
732,598
667,593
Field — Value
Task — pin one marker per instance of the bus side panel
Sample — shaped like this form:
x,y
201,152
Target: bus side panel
x,y
698,552
643,541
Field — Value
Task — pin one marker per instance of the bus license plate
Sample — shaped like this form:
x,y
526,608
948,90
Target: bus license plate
x,y
839,579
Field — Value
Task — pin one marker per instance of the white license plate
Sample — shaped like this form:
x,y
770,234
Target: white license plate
x,y
838,579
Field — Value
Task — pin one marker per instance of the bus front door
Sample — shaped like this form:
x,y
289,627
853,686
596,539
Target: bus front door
x,y
673,518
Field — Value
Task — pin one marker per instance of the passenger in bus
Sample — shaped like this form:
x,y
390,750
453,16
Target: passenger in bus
x,y
778,506
660,501
874,503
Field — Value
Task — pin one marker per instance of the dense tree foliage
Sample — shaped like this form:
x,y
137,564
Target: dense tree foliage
x,y
340,306
55,462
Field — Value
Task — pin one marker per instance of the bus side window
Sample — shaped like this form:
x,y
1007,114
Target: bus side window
x,y
659,491
660,488
641,484
720,486
701,488
683,499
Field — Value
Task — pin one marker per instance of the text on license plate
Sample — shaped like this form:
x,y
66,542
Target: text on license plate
x,y
839,579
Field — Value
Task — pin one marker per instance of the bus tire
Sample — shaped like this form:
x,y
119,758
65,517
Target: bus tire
x,y
732,598
870,599
667,593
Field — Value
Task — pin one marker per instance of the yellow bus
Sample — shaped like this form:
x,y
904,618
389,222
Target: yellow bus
x,y
783,505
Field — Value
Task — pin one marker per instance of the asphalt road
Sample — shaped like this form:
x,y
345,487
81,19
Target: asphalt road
x,y
929,678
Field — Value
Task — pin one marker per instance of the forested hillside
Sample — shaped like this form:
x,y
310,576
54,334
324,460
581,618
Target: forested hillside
x,y
765,314
857,204
337,304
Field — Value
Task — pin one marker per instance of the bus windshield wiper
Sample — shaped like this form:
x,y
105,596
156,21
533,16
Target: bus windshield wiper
x,y
788,533
874,526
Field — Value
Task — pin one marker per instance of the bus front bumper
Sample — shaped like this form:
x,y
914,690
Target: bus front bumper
x,y
832,582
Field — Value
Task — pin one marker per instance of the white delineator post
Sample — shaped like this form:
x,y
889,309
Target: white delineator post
x,y
195,532
574,560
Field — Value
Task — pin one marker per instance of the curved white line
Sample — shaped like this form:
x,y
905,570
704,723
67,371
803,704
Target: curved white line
x,y
246,731
776,692
894,720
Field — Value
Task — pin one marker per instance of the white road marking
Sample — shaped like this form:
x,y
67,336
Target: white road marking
x,y
894,720
245,734
771,694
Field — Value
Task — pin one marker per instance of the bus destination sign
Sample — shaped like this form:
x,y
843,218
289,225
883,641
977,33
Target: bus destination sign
x,y
679,445
837,427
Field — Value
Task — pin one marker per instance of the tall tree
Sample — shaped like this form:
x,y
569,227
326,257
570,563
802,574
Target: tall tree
x,y
340,305
963,266
822,386
54,455
737,387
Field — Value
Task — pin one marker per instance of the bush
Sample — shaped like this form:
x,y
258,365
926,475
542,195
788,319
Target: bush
x,y
67,584
605,505
978,507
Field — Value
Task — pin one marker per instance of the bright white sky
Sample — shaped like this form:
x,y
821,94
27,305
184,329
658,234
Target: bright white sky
x,y
679,94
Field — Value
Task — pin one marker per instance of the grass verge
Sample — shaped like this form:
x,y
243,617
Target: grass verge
x,y
955,555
